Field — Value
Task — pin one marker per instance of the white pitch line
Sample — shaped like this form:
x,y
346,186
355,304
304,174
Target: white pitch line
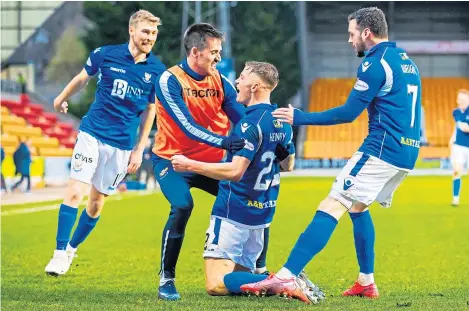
x,y
57,206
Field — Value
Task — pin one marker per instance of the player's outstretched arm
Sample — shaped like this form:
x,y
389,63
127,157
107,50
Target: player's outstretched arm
x,y
77,83
231,171
146,123
169,93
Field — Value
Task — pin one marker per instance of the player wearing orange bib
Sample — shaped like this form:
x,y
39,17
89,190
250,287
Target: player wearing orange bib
x,y
195,105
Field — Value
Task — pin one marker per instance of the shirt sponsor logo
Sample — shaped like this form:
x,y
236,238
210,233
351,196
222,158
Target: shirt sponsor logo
x,y
262,205
410,142
409,69
122,89
361,86
201,93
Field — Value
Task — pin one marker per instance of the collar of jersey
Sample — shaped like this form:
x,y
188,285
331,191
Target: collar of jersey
x,y
150,57
380,46
261,106
194,75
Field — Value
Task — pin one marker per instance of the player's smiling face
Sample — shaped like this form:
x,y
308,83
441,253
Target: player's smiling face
x,y
143,36
246,85
208,58
355,38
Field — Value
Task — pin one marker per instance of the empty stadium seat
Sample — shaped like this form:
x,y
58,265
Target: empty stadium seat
x,y
22,131
9,140
13,120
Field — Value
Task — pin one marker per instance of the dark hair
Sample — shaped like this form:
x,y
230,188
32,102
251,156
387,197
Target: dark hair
x,y
372,18
195,36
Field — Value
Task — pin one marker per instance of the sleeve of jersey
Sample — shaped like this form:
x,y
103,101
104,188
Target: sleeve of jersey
x,y
288,143
160,68
252,138
234,110
169,92
457,114
366,88
94,61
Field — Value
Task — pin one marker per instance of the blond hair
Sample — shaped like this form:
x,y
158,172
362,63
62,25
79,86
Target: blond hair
x,y
266,71
464,91
143,15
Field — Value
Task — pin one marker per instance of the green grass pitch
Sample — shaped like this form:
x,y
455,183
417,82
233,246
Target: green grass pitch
x,y
422,254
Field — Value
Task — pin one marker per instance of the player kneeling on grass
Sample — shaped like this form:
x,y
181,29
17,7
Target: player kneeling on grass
x,y
248,191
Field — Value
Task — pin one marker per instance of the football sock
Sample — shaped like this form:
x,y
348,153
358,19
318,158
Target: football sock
x,y
311,241
234,280
85,225
365,279
364,236
284,274
67,217
456,187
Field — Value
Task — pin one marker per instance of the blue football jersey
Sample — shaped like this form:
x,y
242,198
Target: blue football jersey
x,y
462,138
390,80
124,90
251,202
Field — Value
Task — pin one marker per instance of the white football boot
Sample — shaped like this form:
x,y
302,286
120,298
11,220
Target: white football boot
x,y
61,261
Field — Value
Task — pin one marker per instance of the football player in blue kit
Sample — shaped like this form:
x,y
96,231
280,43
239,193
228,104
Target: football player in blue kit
x,y
106,150
388,85
249,184
459,143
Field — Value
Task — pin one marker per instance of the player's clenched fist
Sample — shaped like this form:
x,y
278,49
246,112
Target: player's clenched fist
x,y
60,106
180,163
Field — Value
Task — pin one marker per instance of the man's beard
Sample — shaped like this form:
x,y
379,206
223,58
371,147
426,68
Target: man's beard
x,y
361,49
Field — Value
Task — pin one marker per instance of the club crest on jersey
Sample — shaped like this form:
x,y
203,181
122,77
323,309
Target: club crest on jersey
x,y
278,124
404,56
147,78
348,182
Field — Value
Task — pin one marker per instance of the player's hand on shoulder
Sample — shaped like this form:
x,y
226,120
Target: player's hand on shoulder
x,y
285,114
233,143
60,106
180,163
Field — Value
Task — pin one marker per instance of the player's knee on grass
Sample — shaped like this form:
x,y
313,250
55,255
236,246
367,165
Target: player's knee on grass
x,y
216,287
76,190
332,207
215,271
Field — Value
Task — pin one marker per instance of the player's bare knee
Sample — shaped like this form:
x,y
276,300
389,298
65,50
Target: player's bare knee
x,y
358,208
332,207
216,288
457,173
75,193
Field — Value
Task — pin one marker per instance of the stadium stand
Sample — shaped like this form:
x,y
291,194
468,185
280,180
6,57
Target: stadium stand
x,y
22,120
438,99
